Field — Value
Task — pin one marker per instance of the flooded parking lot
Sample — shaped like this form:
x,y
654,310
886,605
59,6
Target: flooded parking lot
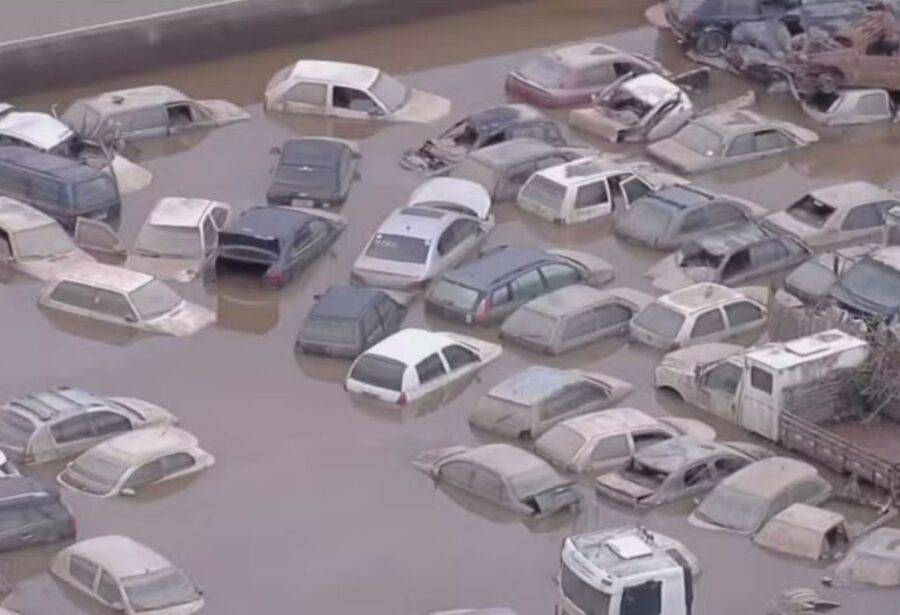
x,y
313,505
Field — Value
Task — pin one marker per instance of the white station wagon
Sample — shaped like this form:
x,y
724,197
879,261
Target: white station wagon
x,y
414,362
125,575
124,297
350,91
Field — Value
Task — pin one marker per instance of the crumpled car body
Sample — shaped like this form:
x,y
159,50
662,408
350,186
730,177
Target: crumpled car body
x,y
850,107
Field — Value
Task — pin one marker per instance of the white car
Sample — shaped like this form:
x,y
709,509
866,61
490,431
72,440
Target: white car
x,y
445,221
413,362
350,91
125,575
178,238
131,461
124,297
700,314
590,188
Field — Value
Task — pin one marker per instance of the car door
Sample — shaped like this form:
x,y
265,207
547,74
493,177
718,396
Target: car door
x,y
592,200
718,388
373,328
108,590
391,314
304,248
488,485
83,573
558,275
460,360
146,474
767,257
693,224
72,435
864,221
142,123
306,97
612,319
708,327
97,237
433,374
113,307
578,329
743,316
455,243
354,103
634,188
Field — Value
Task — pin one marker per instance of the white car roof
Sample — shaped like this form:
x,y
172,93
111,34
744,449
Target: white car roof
x,y
456,191
141,445
768,477
419,222
851,194
610,422
651,88
119,555
410,346
108,276
584,170
39,130
180,211
699,297
16,216
335,72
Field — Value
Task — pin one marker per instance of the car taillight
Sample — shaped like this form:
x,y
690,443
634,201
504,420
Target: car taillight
x,y
484,309
401,401
275,278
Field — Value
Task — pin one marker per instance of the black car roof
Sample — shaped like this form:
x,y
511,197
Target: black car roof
x,y
18,486
58,166
342,301
313,152
280,222
494,265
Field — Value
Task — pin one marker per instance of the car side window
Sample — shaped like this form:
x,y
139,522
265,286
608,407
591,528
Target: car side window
x,y
74,294
308,94
500,296
142,119
614,447
72,429
528,285
558,275
593,194
147,474
612,315
876,103
761,380
768,252
696,220
113,304
741,145
770,140
595,75
106,423
742,313
454,235
635,188
696,475
488,484
82,570
738,263
624,68
430,368
388,310
317,229
458,356
353,100
709,323
579,325
108,590
13,181
863,217
457,473
643,599
176,462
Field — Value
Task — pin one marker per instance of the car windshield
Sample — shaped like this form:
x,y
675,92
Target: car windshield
x,y
15,429
158,590
811,211
155,299
95,473
41,242
399,248
379,371
95,191
544,192
660,320
873,282
307,178
454,295
545,71
700,139
171,241
390,92
561,444
732,508
589,599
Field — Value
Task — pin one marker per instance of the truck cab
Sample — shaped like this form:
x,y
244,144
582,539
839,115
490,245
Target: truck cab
x,y
626,571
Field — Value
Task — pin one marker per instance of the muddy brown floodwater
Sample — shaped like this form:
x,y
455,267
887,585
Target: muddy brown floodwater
x,y
313,506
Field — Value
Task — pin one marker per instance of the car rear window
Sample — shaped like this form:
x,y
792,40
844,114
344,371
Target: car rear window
x,y
335,330
544,192
262,248
15,429
379,371
451,294
660,320
398,248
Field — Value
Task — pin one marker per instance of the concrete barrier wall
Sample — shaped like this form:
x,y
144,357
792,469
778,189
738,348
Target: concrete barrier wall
x,y
196,33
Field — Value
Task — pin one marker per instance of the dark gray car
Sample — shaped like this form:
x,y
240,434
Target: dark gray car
x,y
314,172
347,320
32,514
486,290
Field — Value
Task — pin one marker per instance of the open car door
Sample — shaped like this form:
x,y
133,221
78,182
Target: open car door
x,y
98,238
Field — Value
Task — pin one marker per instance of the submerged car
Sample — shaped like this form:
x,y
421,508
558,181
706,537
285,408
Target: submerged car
x,y
610,438
126,298
504,475
834,215
730,256
873,560
743,502
445,221
590,188
486,290
347,320
676,469
806,531
149,111
481,129
125,575
569,76
275,243
179,238
700,314
414,362
674,215
530,402
314,172
57,423
851,106
125,464
725,138
572,317
32,514
350,91
504,168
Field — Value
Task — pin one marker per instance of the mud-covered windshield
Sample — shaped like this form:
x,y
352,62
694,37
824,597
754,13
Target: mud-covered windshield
x,y
169,241
733,509
700,139
95,473
811,211
660,320
159,590
155,299
873,282
590,600
42,242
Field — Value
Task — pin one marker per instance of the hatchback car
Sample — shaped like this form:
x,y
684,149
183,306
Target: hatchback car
x,y
569,76
676,469
314,172
347,320
700,314
445,221
589,189
729,137
481,129
530,402
32,514
414,362
504,168
125,298
127,463
179,238
125,575
350,91
668,218
504,475
744,501
572,317
148,111
610,438
486,290
61,422
275,243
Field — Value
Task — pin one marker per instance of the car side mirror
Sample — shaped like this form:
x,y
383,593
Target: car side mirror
x,y
127,492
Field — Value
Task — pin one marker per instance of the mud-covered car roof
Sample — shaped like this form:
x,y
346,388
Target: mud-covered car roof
x,y
571,298
651,88
132,98
508,460
766,478
701,353
699,297
40,130
534,384
509,153
611,421
106,276
419,221
735,122
495,264
16,216
496,118
47,405
345,302
628,552
728,240
179,211
682,197
852,193
142,445
119,555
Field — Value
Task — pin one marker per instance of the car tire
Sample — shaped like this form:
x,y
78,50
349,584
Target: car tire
x,y
711,42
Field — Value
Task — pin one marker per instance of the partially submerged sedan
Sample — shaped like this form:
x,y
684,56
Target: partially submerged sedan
x,y
529,403
445,221
126,298
350,91
504,475
610,438
414,362
572,317
873,560
728,137
676,469
806,531
743,502
314,172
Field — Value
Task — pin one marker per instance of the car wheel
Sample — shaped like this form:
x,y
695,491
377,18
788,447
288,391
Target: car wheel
x,y
711,42
828,83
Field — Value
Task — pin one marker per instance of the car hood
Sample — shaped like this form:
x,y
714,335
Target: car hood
x,y
164,268
49,269
224,112
184,320
679,157
423,107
